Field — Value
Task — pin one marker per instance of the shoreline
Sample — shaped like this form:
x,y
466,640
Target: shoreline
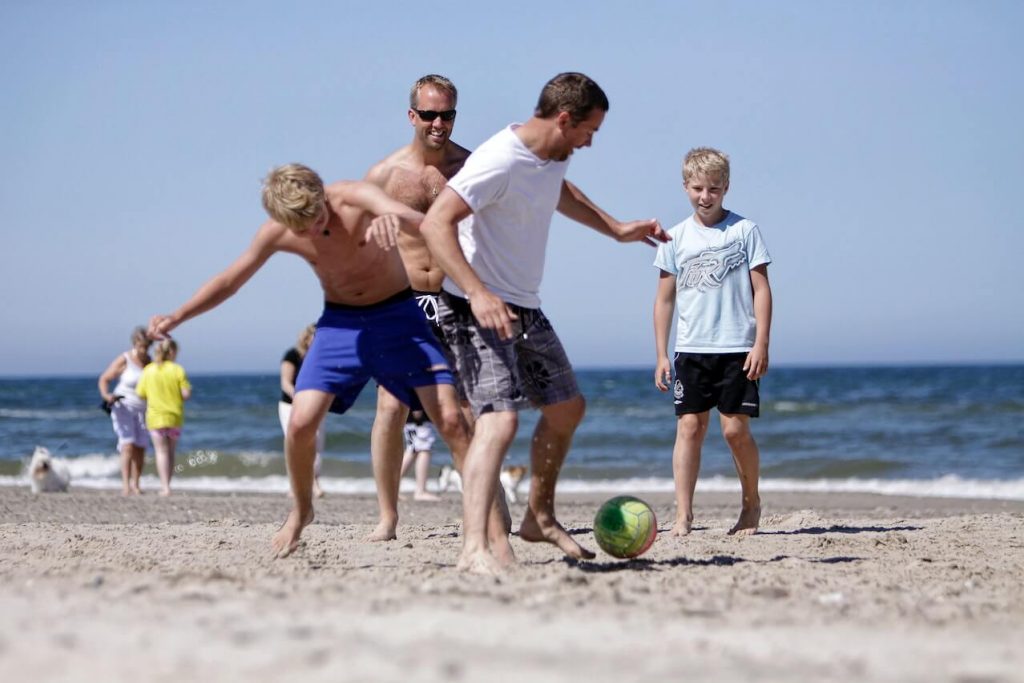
x,y
836,586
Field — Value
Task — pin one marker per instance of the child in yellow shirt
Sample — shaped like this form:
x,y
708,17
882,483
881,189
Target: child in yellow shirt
x,y
165,388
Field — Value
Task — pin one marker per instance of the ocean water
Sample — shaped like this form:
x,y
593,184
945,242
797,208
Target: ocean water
x,y
945,431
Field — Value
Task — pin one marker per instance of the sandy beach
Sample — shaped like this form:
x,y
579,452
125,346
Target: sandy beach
x,y
836,587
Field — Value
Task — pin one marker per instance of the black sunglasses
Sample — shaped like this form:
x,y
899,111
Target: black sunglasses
x,y
430,115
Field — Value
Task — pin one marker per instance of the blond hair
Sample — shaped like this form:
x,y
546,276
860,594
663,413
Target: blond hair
x,y
706,161
305,339
293,195
166,349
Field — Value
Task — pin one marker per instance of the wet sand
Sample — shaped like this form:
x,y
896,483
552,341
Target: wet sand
x,y
835,587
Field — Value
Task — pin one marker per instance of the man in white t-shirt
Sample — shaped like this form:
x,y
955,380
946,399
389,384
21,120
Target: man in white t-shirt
x,y
488,230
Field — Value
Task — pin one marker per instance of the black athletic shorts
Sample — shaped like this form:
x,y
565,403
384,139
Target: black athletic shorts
x,y
714,380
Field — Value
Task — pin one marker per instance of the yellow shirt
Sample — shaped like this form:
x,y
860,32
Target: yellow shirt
x,y
161,385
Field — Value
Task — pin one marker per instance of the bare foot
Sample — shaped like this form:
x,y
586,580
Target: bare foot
x,y
385,531
746,525
683,525
286,540
502,551
479,562
164,493
317,491
426,496
533,532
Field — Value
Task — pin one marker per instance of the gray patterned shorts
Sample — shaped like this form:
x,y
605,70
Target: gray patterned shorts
x,y
497,374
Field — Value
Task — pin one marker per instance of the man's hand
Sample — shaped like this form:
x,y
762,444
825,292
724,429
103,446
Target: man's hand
x,y
384,231
663,374
160,326
648,231
492,313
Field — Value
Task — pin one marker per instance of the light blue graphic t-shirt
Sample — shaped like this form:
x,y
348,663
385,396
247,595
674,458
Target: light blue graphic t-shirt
x,y
714,298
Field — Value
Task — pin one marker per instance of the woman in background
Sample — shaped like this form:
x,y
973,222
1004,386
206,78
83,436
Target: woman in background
x,y
127,410
290,365
165,387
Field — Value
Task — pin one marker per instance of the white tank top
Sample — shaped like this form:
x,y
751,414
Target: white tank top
x,y
126,384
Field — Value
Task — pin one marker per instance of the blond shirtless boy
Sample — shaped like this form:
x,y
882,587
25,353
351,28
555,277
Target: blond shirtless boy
x,y
371,326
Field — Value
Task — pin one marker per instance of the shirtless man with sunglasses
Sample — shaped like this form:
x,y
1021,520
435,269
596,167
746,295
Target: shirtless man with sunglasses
x,y
415,174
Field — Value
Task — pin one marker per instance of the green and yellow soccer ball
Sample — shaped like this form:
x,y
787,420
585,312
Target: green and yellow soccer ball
x,y
625,527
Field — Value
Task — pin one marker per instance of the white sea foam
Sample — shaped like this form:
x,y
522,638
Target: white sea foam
x,y
949,486
102,476
51,414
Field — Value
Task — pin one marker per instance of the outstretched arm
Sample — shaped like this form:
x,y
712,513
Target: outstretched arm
x,y
222,286
756,364
575,205
440,230
664,301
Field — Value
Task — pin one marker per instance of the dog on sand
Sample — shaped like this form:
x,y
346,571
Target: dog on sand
x,y
510,479
47,474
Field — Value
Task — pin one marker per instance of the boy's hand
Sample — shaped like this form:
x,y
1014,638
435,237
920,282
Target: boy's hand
x,y
663,374
756,364
384,231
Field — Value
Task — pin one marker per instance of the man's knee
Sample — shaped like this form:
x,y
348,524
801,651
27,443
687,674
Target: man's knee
x,y
565,416
499,424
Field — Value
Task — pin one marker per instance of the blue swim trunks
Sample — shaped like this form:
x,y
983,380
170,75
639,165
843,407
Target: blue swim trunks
x,y
389,341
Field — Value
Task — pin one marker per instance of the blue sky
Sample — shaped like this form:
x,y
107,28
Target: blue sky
x,y
877,144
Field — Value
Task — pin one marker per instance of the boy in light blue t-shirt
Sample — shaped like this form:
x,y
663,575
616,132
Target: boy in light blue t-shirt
x,y
715,270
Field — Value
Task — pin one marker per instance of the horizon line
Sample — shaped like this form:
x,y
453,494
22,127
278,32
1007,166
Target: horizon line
x,y
842,365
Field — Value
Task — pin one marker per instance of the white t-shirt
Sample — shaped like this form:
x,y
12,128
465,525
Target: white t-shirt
x,y
513,195
714,298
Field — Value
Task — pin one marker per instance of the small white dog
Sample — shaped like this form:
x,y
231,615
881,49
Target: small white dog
x,y
510,479
47,475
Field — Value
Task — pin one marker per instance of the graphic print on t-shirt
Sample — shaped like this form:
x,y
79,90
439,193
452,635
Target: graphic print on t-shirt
x,y
708,270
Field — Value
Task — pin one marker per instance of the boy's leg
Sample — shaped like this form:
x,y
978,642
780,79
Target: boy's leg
x,y
308,410
551,441
690,431
386,456
321,441
736,430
